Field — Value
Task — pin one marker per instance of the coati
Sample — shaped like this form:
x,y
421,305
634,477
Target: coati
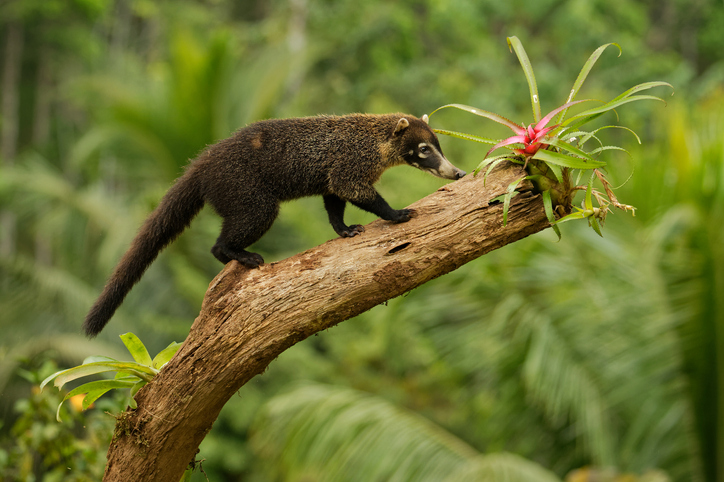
x,y
245,177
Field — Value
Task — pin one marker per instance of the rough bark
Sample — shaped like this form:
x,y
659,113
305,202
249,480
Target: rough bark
x,y
250,316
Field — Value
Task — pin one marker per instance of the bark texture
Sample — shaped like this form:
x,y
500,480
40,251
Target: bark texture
x,y
250,316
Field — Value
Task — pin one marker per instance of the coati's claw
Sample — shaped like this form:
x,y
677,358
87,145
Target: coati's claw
x,y
353,230
250,260
224,254
404,215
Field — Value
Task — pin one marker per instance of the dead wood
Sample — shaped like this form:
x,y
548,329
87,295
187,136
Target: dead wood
x,y
250,316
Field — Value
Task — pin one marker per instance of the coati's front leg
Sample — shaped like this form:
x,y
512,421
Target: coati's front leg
x,y
379,206
366,197
335,209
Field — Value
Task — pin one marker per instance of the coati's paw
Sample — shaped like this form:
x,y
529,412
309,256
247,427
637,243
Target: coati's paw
x,y
404,215
224,254
250,260
352,231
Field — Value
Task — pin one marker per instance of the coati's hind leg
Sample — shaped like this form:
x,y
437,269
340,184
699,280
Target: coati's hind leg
x,y
240,230
335,209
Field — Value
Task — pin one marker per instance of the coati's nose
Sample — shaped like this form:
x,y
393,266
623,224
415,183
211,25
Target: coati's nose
x,y
459,174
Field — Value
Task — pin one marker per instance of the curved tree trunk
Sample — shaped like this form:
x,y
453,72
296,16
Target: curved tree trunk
x,y
250,316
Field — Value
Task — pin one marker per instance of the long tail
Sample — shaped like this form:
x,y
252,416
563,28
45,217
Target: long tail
x,y
177,208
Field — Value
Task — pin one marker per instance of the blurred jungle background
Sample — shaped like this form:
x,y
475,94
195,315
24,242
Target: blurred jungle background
x,y
582,359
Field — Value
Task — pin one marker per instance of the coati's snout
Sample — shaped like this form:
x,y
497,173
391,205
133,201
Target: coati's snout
x,y
444,169
429,159
424,151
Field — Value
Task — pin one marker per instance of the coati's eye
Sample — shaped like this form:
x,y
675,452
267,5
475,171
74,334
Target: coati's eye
x,y
424,149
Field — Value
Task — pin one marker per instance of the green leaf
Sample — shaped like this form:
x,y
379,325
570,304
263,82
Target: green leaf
x,y
468,137
137,349
509,193
515,45
567,161
98,358
488,115
101,386
165,355
556,170
65,376
92,397
587,137
492,166
187,476
585,120
98,385
137,386
583,74
610,148
548,206
644,86
618,127
589,193
608,107
579,214
595,225
561,144
491,162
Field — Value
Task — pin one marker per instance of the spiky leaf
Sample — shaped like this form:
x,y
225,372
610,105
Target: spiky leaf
x,y
515,45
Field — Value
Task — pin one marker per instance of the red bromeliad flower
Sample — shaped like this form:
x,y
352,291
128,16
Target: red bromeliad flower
x,y
532,137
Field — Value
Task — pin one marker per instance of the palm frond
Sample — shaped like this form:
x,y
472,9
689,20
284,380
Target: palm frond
x,y
334,433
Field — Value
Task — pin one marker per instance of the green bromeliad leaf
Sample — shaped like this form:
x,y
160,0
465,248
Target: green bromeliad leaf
x,y
165,355
467,137
64,376
598,150
93,390
515,45
561,144
132,375
564,160
583,74
638,139
548,207
643,86
590,114
579,214
490,161
137,349
488,115
588,202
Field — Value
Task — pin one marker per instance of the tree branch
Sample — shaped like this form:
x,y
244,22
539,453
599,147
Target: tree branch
x,y
250,316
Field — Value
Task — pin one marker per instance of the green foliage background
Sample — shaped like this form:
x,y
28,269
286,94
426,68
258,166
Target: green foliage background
x,y
606,353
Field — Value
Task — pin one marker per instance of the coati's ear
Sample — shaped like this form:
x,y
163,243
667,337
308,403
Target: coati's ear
x,y
402,124
425,119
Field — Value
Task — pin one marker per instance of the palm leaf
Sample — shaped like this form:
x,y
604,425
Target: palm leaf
x,y
333,433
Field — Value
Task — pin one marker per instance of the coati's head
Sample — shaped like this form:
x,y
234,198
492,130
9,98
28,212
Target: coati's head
x,y
421,149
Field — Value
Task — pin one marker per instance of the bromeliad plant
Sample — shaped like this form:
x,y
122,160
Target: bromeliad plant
x,y
131,375
553,154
